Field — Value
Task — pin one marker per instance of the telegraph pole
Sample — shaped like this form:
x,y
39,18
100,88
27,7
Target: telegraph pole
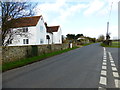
x,y
107,35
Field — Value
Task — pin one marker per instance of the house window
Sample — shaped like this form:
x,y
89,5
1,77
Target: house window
x,y
25,29
10,41
41,28
41,41
25,41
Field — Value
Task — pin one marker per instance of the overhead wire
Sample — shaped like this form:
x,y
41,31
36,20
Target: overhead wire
x,y
110,12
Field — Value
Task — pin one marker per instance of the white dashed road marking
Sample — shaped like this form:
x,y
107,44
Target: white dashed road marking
x,y
114,68
115,74
103,72
104,63
112,64
104,67
103,77
117,83
103,80
115,71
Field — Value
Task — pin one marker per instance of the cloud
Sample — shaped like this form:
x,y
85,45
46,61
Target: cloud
x,y
106,10
94,7
48,9
72,10
62,8
60,13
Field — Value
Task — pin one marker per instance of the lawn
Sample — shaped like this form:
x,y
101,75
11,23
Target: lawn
x,y
87,44
115,44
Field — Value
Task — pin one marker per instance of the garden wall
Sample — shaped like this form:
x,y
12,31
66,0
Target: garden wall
x,y
13,53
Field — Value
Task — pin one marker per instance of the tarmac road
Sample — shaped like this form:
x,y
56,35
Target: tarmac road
x,y
90,66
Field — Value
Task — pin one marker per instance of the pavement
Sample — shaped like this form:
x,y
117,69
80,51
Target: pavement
x,y
90,66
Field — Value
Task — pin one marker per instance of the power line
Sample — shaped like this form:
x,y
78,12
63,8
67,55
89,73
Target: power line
x,y
107,35
110,12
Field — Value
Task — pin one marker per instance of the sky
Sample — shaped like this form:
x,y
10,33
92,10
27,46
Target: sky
x,y
87,17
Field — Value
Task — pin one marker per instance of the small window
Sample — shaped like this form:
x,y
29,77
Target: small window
x,y
25,41
25,29
41,41
10,41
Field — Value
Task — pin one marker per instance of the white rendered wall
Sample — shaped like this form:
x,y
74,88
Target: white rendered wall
x,y
57,37
40,34
18,40
50,40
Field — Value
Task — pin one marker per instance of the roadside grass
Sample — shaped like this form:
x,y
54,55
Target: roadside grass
x,y
114,45
23,62
19,63
87,44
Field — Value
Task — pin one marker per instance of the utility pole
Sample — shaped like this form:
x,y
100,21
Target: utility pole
x,y
107,35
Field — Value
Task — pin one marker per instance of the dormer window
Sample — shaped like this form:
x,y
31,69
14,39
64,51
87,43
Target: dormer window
x,y
25,29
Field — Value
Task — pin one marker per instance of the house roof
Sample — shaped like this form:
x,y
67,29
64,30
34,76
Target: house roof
x,y
52,28
25,21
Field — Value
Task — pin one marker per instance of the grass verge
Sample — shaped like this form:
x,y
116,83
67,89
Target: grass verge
x,y
87,44
23,62
112,46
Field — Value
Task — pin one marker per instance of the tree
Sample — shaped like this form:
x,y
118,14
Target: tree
x,y
101,38
9,12
78,35
70,36
63,38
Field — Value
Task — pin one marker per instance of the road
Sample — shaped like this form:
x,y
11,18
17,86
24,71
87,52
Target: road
x,y
90,66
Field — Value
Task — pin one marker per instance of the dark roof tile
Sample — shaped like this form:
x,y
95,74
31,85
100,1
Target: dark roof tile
x,y
25,21
52,28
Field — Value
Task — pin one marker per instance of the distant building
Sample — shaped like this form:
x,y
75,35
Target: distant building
x,y
55,34
36,30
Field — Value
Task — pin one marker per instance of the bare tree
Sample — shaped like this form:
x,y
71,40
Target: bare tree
x,y
9,12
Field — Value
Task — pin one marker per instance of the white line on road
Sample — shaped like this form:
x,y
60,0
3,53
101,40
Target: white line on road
x,y
117,83
104,60
114,69
104,63
103,72
112,61
103,80
104,67
112,64
115,74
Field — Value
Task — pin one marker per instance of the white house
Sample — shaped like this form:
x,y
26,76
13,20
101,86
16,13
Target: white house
x,y
55,34
36,30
